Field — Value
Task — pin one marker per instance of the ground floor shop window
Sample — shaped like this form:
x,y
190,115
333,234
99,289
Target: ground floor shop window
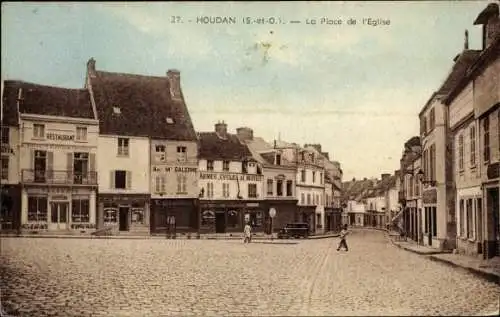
x,y
110,213
80,211
208,218
137,213
37,209
233,219
256,219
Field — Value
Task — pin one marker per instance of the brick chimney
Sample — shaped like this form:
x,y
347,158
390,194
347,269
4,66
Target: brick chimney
x,y
174,81
385,176
245,134
490,20
91,67
221,129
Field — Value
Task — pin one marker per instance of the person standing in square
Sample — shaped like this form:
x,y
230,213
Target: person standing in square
x,y
247,231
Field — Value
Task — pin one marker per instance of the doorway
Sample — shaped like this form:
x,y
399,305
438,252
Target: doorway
x,y
220,222
124,218
493,205
59,215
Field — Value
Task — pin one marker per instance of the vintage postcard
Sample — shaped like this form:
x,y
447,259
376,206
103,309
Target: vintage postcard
x,y
319,158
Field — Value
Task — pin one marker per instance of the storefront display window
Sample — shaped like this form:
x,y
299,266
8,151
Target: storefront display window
x,y
37,209
233,219
137,214
80,211
208,218
110,213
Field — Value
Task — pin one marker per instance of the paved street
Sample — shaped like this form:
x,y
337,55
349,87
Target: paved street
x,y
79,277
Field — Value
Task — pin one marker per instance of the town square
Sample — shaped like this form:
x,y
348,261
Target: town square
x,y
250,159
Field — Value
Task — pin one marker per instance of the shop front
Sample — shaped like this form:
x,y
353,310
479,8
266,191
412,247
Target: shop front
x,y
174,214
227,216
491,202
58,209
307,214
285,213
10,209
124,212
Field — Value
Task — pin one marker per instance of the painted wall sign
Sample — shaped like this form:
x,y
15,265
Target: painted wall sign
x,y
176,169
227,176
60,137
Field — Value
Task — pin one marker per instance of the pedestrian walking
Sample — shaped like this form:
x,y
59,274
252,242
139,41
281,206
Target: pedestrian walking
x,y
247,231
343,242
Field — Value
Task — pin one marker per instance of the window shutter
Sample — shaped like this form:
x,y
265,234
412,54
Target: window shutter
x,y
129,179
92,162
32,159
50,164
69,160
112,179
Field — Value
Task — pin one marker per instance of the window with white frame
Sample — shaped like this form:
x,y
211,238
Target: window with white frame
x,y
460,152
225,166
472,146
314,177
181,154
81,133
123,146
160,154
38,130
181,184
160,186
252,190
37,209
269,187
210,165
225,190
210,189
302,199
303,176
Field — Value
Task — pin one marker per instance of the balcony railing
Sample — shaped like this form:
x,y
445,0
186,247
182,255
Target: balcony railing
x,y
59,177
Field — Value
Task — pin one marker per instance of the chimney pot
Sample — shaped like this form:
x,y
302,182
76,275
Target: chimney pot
x,y
174,80
244,133
221,129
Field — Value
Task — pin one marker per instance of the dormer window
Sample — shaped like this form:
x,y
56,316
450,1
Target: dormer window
x,y
278,159
117,110
169,120
244,167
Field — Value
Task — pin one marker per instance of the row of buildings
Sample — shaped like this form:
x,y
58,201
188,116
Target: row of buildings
x,y
450,173
370,202
122,153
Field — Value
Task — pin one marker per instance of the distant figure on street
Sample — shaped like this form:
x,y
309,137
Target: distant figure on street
x,y
343,242
248,233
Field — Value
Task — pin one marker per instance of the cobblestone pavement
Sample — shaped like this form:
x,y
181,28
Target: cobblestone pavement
x,y
77,277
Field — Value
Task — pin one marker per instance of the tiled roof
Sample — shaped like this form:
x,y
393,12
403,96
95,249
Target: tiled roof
x,y
355,190
213,147
459,69
10,91
46,100
144,104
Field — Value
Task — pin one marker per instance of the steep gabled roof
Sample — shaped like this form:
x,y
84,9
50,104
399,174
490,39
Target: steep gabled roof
x,y
458,71
138,105
9,102
45,100
213,147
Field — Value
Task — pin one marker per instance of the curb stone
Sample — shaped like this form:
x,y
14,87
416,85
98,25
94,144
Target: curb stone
x,y
491,277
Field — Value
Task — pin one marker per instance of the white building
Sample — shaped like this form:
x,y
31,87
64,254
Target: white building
x,y
123,150
57,159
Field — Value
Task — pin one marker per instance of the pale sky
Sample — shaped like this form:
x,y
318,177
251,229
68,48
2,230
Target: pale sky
x,y
357,90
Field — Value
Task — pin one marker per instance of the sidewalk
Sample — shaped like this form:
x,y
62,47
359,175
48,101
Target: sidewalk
x,y
486,269
193,236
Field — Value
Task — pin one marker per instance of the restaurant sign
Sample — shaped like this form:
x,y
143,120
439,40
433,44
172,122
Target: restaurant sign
x,y
229,177
60,137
